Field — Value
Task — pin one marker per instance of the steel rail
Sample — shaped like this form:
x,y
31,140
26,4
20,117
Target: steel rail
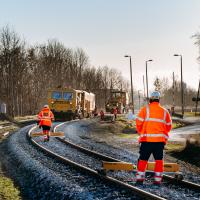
x,y
134,190
172,180
88,151
187,184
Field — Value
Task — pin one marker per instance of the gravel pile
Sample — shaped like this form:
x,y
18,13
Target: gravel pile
x,y
41,177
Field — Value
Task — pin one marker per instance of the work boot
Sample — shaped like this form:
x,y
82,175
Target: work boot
x,y
139,182
140,176
157,178
46,138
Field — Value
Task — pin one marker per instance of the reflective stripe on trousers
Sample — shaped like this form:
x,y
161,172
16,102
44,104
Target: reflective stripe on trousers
x,y
140,175
158,177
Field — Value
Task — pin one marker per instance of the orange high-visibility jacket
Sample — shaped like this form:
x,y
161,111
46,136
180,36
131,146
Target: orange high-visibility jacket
x,y
45,116
153,123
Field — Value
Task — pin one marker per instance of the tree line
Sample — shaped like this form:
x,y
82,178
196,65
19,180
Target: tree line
x,y
27,72
171,93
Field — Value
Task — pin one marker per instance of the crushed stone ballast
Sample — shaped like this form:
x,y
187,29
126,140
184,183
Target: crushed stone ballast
x,y
167,179
111,180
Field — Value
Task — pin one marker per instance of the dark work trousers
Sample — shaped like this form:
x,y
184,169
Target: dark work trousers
x,y
148,148
46,128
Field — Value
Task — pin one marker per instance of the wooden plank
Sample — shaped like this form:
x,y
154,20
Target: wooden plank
x,y
51,134
118,166
115,166
36,134
57,134
168,167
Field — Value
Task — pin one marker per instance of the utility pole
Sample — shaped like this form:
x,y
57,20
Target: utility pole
x,y
131,82
182,95
150,60
147,82
139,98
173,91
144,86
182,100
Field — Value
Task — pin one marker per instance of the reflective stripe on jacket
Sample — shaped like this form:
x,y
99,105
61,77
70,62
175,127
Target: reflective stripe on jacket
x,y
153,123
45,117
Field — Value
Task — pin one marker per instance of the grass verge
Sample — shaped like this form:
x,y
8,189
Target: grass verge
x,y
7,189
190,153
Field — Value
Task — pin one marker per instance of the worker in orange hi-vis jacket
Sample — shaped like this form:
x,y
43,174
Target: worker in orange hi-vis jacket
x,y
45,121
115,113
153,124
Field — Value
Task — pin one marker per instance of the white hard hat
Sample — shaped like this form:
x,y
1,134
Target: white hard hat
x,y
155,95
46,106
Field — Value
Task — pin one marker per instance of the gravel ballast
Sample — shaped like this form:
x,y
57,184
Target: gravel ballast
x,y
79,133
41,177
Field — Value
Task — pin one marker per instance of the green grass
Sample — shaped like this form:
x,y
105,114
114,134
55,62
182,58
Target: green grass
x,y
25,118
128,136
177,125
171,147
189,114
8,190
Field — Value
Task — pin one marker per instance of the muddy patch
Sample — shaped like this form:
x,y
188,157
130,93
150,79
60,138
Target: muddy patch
x,y
191,152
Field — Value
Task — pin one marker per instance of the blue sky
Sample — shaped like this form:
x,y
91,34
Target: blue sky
x,y
109,29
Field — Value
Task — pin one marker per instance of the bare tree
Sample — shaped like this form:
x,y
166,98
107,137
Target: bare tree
x,y
26,73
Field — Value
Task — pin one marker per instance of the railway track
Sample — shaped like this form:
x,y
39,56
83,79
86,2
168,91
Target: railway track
x,y
170,179
136,190
132,189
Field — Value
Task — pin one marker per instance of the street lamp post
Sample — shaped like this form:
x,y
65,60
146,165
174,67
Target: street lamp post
x,y
139,98
143,85
182,102
127,56
150,60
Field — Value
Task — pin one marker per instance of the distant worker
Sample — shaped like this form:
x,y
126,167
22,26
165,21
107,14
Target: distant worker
x,y
115,113
102,115
153,124
45,121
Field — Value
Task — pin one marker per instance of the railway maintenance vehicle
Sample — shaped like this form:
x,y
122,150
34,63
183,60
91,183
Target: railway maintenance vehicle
x,y
69,103
119,100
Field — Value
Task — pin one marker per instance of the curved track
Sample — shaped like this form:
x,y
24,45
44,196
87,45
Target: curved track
x,y
167,179
108,179
170,179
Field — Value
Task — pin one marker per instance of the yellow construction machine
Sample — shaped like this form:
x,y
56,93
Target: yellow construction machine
x,y
119,100
68,103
